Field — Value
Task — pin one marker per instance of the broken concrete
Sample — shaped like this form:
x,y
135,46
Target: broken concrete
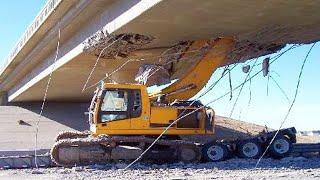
x,y
115,46
173,62
245,50
152,73
165,67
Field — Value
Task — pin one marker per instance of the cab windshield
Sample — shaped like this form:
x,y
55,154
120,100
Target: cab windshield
x,y
114,105
115,101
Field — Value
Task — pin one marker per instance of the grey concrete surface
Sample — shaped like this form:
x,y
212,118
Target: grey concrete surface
x,y
18,124
22,152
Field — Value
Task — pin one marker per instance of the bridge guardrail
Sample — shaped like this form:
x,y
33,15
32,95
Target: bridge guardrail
x,y
32,28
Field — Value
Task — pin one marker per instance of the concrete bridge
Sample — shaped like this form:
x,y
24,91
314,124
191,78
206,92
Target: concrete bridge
x,y
121,30
160,23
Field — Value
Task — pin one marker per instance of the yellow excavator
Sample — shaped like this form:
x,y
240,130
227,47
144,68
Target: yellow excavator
x,y
124,119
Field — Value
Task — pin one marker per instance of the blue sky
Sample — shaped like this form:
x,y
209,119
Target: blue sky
x,y
16,15
270,109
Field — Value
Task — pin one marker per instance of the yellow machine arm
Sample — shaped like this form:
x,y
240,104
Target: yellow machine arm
x,y
193,81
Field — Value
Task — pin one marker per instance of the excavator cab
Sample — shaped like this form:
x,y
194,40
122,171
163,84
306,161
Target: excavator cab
x,y
118,109
114,105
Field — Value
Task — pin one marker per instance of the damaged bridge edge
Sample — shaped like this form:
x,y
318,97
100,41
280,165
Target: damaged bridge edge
x,y
168,64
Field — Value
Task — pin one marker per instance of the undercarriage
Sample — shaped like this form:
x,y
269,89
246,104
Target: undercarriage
x,y
83,149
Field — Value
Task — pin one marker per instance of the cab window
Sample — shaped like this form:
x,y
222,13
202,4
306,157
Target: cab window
x,y
115,101
114,105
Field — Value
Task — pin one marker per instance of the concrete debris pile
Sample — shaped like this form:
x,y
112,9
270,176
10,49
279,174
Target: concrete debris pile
x,y
173,58
171,64
160,65
154,73
167,65
115,46
173,55
246,50
179,61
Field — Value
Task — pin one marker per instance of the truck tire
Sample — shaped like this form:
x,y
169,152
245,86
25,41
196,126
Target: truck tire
x,y
249,149
280,147
213,152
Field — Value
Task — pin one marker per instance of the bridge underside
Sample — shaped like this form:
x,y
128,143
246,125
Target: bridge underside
x,y
262,27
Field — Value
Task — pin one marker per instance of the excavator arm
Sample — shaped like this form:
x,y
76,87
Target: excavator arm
x,y
215,56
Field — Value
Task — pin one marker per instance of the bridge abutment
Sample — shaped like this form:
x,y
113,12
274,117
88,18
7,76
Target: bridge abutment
x,y
3,98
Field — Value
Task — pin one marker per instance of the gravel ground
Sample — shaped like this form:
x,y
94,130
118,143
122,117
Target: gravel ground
x,y
287,168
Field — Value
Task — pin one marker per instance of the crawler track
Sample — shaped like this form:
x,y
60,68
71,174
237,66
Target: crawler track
x,y
80,148
104,149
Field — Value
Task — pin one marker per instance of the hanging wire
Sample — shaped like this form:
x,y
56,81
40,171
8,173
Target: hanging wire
x,y
172,122
195,110
143,58
217,81
242,48
230,84
109,75
235,65
45,98
250,92
290,108
85,86
234,104
97,61
268,79
159,56
248,75
282,91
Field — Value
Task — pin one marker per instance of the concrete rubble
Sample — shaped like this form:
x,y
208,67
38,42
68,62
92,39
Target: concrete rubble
x,y
115,46
172,62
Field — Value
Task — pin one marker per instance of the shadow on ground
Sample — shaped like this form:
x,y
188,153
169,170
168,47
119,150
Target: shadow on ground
x,y
68,114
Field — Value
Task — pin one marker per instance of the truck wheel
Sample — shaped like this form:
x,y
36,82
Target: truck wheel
x,y
280,147
213,152
249,149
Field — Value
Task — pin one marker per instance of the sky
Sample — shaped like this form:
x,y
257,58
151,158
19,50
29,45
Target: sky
x,y
15,17
270,108
264,108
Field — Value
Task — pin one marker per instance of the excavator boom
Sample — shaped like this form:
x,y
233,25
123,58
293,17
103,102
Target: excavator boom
x,y
214,55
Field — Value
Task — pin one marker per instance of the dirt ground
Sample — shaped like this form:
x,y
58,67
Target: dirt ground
x,y
239,129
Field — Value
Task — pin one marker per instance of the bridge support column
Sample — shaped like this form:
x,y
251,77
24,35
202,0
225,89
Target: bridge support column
x,y
3,98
